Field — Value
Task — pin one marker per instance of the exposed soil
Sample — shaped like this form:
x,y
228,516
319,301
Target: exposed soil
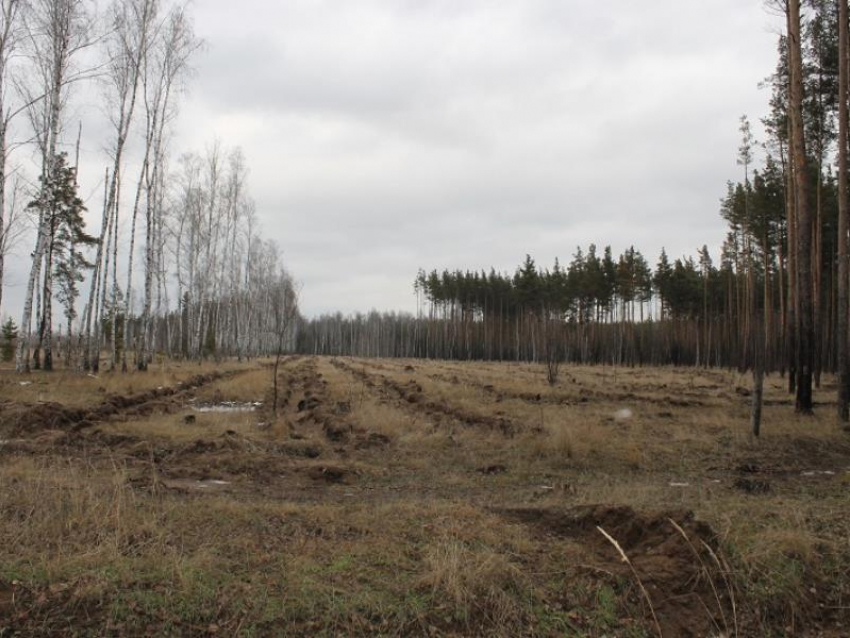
x,y
21,419
306,390
688,592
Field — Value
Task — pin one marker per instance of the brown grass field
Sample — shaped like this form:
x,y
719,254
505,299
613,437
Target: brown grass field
x,y
400,498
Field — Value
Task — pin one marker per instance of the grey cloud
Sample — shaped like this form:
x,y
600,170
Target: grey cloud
x,y
387,135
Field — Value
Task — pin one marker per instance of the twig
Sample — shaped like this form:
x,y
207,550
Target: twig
x,y
707,573
724,570
635,574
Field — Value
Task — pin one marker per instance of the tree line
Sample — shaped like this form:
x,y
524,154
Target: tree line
x,y
178,265
597,309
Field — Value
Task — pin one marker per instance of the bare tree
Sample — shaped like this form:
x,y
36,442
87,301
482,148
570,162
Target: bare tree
x,y
164,67
133,25
9,27
12,222
57,30
203,242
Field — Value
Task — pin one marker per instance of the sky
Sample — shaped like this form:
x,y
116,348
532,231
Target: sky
x,y
384,136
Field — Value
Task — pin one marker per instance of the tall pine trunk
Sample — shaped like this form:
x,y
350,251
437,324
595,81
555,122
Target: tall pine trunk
x,y
843,270
805,336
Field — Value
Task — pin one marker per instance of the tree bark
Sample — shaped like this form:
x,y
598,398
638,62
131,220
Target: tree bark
x,y
843,270
805,336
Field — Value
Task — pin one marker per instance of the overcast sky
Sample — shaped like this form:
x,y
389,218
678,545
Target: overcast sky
x,y
388,135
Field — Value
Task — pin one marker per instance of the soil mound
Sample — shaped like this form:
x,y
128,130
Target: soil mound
x,y
20,419
672,553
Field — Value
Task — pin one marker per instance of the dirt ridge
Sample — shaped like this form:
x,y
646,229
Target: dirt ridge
x,y
20,419
411,393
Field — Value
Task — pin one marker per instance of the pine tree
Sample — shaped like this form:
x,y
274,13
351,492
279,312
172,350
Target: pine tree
x,y
9,334
661,280
62,209
803,248
843,213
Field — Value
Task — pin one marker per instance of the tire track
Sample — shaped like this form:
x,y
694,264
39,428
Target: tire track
x,y
413,396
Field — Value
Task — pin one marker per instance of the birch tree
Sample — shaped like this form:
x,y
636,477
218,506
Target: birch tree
x,y
165,65
9,34
133,26
57,30
12,222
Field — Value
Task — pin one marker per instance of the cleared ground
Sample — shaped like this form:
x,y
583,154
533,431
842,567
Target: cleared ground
x,y
418,498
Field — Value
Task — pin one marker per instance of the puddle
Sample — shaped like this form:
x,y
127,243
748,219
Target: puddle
x,y
227,406
818,473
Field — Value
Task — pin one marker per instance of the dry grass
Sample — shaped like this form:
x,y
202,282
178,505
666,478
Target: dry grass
x,y
174,428
368,413
73,517
658,433
73,389
580,441
474,583
83,529
407,541
251,386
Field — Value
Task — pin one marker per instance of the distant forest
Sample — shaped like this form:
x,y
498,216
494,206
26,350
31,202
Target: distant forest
x,y
776,299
